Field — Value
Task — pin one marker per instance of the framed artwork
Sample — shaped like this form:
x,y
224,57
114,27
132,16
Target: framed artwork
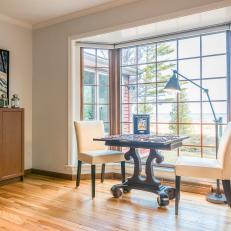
x,y
4,72
141,123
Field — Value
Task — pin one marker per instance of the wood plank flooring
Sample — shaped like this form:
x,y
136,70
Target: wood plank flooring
x,y
44,203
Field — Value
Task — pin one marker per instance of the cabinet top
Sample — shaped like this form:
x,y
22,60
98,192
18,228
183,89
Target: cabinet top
x,y
12,109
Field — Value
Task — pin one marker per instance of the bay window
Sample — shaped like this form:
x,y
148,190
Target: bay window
x,y
143,71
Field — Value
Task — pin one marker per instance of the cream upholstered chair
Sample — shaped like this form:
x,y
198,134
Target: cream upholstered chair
x,y
94,152
208,168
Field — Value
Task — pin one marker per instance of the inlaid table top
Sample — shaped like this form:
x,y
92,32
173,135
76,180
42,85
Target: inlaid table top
x,y
143,141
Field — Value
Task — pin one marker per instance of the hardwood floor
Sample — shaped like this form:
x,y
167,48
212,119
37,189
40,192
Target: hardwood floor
x,y
44,203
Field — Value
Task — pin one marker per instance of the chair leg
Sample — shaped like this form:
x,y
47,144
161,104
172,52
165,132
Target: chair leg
x,y
93,181
78,173
102,173
227,191
177,183
123,171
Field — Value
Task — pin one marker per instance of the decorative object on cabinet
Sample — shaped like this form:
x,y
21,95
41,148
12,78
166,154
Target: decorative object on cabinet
x,y
4,72
3,101
15,101
11,143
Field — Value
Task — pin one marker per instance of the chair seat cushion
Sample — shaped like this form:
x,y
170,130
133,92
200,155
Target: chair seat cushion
x,y
101,156
198,167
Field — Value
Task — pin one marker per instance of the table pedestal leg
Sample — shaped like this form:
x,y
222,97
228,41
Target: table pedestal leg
x,y
148,183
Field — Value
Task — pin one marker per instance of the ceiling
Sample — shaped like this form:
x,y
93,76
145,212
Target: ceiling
x,y
213,17
34,12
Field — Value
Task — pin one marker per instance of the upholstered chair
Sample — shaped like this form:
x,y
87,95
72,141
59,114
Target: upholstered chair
x,y
219,168
94,152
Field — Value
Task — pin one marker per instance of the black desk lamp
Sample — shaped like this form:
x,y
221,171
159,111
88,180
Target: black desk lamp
x,y
173,85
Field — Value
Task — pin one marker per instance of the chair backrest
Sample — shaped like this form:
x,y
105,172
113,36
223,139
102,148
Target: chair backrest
x,y
85,132
224,152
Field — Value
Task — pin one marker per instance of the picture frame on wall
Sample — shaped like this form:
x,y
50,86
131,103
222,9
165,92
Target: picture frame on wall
x,y
4,72
141,123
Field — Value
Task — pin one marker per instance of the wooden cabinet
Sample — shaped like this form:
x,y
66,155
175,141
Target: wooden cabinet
x,y
11,143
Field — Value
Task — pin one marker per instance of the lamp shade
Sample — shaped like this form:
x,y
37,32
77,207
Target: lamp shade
x,y
173,84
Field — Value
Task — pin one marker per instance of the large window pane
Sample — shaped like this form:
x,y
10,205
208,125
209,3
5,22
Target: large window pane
x,y
190,68
214,66
128,56
147,53
189,47
217,89
147,73
214,44
166,51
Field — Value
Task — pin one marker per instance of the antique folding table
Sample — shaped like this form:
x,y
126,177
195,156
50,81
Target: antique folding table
x,y
148,183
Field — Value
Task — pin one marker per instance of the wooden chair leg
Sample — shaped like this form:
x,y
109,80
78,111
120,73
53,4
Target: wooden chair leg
x,y
227,191
177,183
123,171
93,181
102,173
78,173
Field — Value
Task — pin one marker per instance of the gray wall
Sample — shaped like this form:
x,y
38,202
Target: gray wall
x,y
50,68
18,41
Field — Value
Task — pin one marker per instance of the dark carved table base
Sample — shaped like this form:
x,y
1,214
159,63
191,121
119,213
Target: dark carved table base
x,y
148,183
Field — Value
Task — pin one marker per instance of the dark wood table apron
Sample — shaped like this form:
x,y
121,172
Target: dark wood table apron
x,y
148,183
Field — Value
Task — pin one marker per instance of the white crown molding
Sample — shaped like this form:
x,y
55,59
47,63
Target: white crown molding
x,y
82,13
14,21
